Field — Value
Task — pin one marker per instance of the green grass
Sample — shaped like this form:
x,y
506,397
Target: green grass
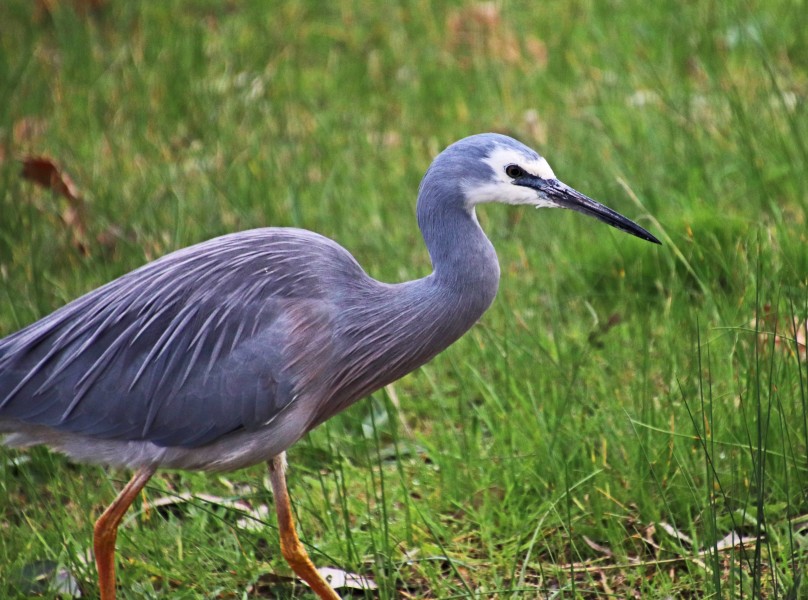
x,y
614,389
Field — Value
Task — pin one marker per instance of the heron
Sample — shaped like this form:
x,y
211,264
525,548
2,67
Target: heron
x,y
223,354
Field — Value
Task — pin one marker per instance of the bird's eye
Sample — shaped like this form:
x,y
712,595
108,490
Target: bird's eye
x,y
514,171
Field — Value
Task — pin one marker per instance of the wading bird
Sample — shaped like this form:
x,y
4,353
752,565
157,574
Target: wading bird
x,y
224,354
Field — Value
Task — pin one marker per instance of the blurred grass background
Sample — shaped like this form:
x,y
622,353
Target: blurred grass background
x,y
620,411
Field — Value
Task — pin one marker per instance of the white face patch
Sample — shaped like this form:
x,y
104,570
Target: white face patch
x,y
501,187
501,157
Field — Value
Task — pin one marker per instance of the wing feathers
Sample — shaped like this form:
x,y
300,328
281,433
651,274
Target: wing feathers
x,y
183,350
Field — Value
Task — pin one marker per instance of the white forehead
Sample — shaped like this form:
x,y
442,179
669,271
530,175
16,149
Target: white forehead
x,y
500,157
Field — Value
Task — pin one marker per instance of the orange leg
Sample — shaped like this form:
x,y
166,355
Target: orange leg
x,y
106,530
291,548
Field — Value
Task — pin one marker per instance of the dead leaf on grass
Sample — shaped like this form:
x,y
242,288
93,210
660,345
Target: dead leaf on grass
x,y
44,172
480,29
597,547
267,582
675,533
731,540
253,519
343,579
45,8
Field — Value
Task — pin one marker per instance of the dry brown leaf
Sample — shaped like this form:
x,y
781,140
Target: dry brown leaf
x,y
45,8
604,582
44,171
480,29
675,533
597,547
537,50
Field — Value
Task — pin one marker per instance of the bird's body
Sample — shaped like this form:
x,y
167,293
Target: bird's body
x,y
266,333
223,354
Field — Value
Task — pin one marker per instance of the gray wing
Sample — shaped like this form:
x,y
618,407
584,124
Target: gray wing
x,y
183,350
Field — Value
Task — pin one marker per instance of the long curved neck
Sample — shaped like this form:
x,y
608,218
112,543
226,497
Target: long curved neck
x,y
463,259
387,330
433,312
441,307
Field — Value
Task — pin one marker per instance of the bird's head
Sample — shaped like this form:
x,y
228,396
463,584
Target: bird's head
x,y
496,168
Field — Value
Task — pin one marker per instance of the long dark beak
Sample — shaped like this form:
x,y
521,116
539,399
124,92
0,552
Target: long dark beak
x,y
563,196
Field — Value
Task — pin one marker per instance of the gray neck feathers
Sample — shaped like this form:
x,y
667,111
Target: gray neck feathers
x,y
436,310
463,259
398,327
425,316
